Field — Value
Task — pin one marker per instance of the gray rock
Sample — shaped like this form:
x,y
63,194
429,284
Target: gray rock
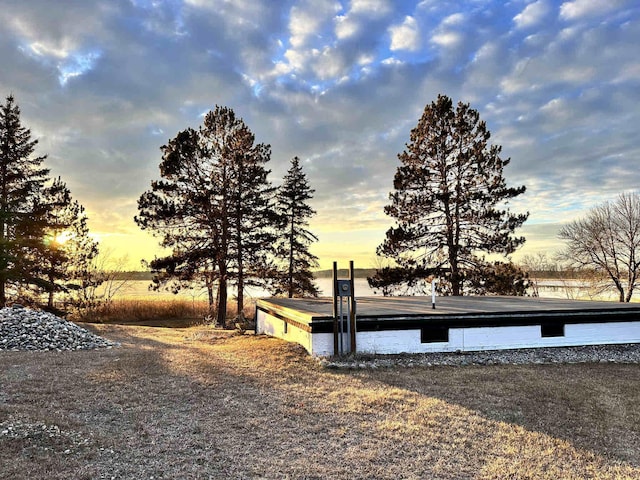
x,y
625,353
32,330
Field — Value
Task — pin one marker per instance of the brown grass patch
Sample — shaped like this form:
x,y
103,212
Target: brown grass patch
x,y
201,403
176,312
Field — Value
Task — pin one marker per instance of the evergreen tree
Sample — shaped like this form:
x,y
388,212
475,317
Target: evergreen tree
x,y
54,259
82,275
293,247
448,194
35,214
498,278
213,209
22,211
251,208
69,249
184,210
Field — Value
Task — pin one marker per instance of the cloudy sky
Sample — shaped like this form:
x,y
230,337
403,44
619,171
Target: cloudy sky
x,y
104,83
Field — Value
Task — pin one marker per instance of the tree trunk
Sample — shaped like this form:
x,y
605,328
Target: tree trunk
x,y
631,280
240,303
211,299
240,250
221,314
240,296
3,253
51,290
291,238
455,281
3,235
618,284
629,291
455,272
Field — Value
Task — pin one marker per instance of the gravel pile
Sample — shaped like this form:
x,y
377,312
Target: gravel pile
x,y
627,353
42,436
25,329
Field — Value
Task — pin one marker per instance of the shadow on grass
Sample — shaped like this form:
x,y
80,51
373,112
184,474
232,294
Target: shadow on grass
x,y
594,406
201,403
145,409
158,322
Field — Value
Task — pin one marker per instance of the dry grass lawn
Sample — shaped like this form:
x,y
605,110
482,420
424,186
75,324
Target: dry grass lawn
x,y
200,403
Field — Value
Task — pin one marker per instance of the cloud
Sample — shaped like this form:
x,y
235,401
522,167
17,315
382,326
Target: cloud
x,y
405,36
308,20
371,8
588,8
360,16
532,14
340,84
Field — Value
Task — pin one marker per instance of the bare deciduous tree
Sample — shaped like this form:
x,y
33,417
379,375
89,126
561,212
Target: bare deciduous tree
x,y
101,278
607,240
535,265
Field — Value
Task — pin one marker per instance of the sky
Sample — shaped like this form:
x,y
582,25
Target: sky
x,y
103,84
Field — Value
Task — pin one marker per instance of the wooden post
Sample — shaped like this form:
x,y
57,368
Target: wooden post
x,y
352,316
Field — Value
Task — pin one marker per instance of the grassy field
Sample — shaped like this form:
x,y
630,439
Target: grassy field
x,y
201,403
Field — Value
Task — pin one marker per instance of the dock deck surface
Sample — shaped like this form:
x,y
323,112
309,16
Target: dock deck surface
x,y
368,307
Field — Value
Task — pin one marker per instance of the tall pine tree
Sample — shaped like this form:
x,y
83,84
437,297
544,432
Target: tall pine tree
x,y
296,278
449,196
213,209
69,250
250,208
55,258
22,213
35,213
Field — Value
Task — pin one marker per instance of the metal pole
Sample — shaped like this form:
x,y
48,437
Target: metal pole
x,y
352,310
348,324
335,309
433,294
341,329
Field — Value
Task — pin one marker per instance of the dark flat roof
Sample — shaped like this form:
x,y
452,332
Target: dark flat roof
x,y
401,306
402,312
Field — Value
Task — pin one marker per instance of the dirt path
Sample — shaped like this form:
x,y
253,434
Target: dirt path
x,y
196,403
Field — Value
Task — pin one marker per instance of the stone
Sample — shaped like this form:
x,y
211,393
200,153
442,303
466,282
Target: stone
x,y
32,330
620,353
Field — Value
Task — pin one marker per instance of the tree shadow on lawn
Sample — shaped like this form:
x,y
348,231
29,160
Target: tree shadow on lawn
x,y
595,406
547,420
200,403
136,408
158,322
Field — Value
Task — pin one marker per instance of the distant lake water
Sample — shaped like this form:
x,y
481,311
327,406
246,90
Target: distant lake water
x,y
557,288
139,289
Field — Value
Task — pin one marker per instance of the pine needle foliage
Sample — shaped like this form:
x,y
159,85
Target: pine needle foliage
x,y
296,278
449,196
213,210
34,212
